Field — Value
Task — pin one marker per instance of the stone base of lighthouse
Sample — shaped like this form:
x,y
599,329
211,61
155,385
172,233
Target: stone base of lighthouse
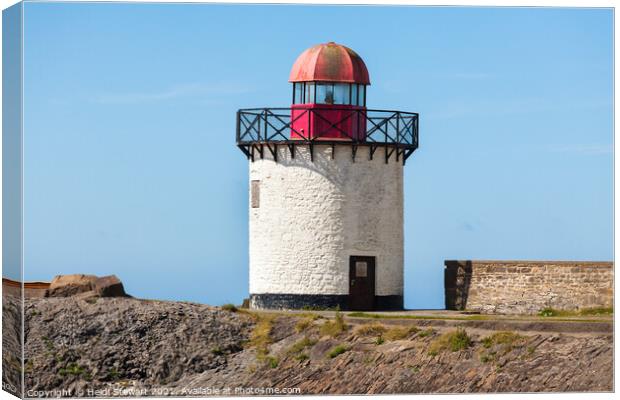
x,y
326,231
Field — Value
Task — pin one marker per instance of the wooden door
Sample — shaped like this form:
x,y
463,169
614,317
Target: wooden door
x,y
361,283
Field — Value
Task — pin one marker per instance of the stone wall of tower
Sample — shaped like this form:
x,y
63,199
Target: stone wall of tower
x,y
308,217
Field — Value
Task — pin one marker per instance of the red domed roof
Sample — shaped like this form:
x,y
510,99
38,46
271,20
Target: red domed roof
x,y
329,62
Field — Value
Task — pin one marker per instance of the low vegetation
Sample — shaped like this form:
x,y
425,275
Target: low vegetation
x,y
306,321
361,314
505,339
261,335
301,345
319,308
400,332
335,327
230,307
272,361
454,341
337,350
113,374
76,370
426,332
373,329
595,311
500,344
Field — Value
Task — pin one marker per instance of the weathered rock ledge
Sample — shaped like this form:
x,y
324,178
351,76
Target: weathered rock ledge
x,y
111,346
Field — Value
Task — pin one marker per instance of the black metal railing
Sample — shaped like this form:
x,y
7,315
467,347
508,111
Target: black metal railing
x,y
257,128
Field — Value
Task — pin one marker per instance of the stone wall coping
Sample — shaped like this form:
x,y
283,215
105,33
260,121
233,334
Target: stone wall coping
x,y
533,262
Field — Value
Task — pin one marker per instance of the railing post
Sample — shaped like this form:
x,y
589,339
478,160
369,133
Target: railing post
x,y
266,110
385,138
397,135
358,126
238,126
258,124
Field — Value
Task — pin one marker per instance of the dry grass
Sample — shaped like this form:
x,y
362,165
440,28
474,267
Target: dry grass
x,y
335,327
261,335
299,346
594,311
373,329
499,344
400,332
229,307
337,350
306,321
426,332
454,341
506,339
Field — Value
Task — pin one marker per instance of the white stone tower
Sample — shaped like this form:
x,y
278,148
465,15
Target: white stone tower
x,y
326,190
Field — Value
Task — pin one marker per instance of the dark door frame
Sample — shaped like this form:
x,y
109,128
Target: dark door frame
x,y
362,289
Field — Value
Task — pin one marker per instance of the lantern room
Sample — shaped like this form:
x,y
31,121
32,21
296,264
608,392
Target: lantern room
x,y
329,94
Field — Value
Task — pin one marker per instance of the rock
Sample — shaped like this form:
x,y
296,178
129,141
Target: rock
x,y
70,285
109,286
149,344
86,286
116,339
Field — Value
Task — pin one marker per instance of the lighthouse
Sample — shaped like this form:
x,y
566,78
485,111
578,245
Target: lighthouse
x,y
326,190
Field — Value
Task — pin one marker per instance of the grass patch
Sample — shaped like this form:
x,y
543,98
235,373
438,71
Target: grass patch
x,y
299,346
261,335
594,311
426,332
478,317
230,307
384,333
301,357
373,329
414,368
337,350
400,332
506,339
216,351
74,369
319,308
303,324
530,350
361,314
499,344
597,311
335,327
272,362
306,320
112,374
49,345
454,341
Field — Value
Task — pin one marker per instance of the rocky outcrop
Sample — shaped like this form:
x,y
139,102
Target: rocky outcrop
x,y
86,286
11,343
76,344
101,346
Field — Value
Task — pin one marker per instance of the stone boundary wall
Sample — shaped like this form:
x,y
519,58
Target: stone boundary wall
x,y
526,287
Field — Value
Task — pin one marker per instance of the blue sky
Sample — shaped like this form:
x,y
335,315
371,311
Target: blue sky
x,y
131,167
